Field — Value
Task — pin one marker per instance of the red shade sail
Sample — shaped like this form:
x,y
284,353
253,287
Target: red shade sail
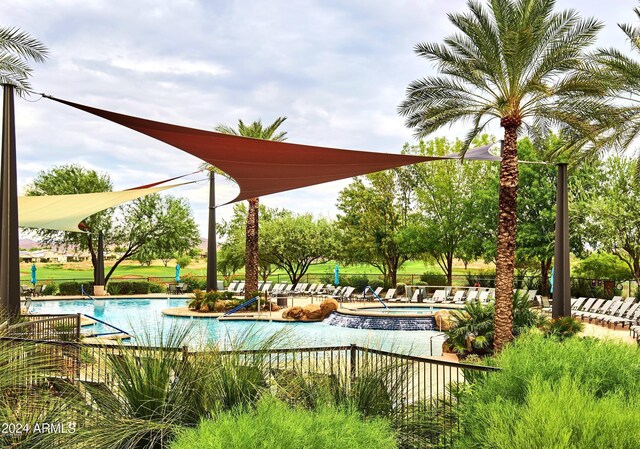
x,y
261,167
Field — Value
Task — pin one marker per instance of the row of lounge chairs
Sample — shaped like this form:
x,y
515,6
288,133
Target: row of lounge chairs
x,y
612,312
300,289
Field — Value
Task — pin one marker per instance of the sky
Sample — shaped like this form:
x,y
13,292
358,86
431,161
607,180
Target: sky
x,y
336,69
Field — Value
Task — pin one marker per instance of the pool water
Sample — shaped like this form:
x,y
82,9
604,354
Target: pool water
x,y
143,317
404,310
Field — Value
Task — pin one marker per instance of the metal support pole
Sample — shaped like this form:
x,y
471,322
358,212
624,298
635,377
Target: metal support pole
x,y
212,260
100,262
561,282
9,255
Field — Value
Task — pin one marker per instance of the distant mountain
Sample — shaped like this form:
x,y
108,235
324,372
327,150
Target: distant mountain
x,y
28,244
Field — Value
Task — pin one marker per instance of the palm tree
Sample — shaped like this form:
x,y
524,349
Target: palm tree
x,y
521,63
623,74
16,49
256,131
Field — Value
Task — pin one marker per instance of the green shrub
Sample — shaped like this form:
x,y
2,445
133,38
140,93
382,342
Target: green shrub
x,y
192,282
184,261
156,288
564,327
485,278
68,288
358,281
375,283
50,288
576,393
275,425
128,287
433,278
400,289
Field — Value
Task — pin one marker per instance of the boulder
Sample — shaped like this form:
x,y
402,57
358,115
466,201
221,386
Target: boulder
x,y
328,305
444,322
294,313
312,312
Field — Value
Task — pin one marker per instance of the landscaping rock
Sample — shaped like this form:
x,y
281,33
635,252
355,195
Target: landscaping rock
x,y
294,313
329,305
312,312
444,322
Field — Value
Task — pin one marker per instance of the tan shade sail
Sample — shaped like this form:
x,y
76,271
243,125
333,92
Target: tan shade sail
x,y
262,167
65,212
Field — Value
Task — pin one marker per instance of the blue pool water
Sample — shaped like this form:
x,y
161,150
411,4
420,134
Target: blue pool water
x,y
144,317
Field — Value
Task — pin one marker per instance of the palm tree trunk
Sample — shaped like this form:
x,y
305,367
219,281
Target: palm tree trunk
x,y
507,220
251,264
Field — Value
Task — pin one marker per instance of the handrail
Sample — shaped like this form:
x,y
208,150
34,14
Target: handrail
x,y
242,306
374,294
107,324
85,293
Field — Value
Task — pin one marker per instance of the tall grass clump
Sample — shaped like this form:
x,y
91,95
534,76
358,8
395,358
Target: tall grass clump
x,y
273,424
576,393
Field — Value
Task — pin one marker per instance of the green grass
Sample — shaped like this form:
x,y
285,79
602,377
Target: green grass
x,y
82,271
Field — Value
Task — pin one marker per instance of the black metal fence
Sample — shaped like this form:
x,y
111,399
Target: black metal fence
x,y
422,392
47,327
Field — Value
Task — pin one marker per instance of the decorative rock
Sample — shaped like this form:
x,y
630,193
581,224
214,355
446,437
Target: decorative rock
x,y
329,305
312,312
294,312
444,322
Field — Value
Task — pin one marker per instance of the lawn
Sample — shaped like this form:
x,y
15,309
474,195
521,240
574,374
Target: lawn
x,y
132,269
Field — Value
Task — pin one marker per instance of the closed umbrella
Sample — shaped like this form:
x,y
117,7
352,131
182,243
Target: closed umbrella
x,y
177,272
34,279
336,275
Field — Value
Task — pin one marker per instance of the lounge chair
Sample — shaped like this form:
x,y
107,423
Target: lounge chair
x,y
389,296
532,295
371,296
613,311
607,307
266,287
300,288
346,294
458,298
623,316
484,296
240,288
232,286
414,298
472,295
439,296
585,307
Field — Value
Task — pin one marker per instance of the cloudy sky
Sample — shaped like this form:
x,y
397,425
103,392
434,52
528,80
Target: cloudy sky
x,y
336,69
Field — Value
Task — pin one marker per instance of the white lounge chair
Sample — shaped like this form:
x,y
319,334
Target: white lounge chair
x,y
389,296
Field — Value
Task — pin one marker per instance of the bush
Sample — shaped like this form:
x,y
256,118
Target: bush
x,y
128,287
68,288
358,281
583,287
375,283
184,261
400,289
193,283
578,393
485,278
50,289
433,279
274,424
564,327
156,288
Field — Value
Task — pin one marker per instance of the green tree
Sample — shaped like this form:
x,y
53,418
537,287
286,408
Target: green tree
x,y
603,266
150,225
70,180
608,215
256,131
295,242
446,197
373,222
17,48
521,63
154,224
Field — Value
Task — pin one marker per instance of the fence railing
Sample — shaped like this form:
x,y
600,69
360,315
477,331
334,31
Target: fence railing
x,y
47,327
422,392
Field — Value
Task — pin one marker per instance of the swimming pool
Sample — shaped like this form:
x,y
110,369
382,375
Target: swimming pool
x,y
141,315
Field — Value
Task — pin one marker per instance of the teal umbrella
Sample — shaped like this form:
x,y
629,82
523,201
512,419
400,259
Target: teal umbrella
x,y
336,275
34,279
177,272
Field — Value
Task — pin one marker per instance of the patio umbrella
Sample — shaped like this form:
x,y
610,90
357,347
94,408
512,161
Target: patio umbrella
x,y
336,275
177,272
34,279
551,282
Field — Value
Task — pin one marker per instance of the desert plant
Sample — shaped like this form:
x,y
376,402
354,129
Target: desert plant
x,y
192,282
563,327
274,424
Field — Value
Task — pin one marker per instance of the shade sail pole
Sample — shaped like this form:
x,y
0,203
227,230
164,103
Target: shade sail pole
x,y
99,287
561,282
212,257
9,255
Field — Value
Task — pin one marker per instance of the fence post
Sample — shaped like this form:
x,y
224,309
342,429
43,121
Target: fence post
x,y
353,361
78,325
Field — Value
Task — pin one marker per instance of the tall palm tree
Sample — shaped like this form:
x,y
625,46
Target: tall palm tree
x,y
17,48
622,72
521,63
257,131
